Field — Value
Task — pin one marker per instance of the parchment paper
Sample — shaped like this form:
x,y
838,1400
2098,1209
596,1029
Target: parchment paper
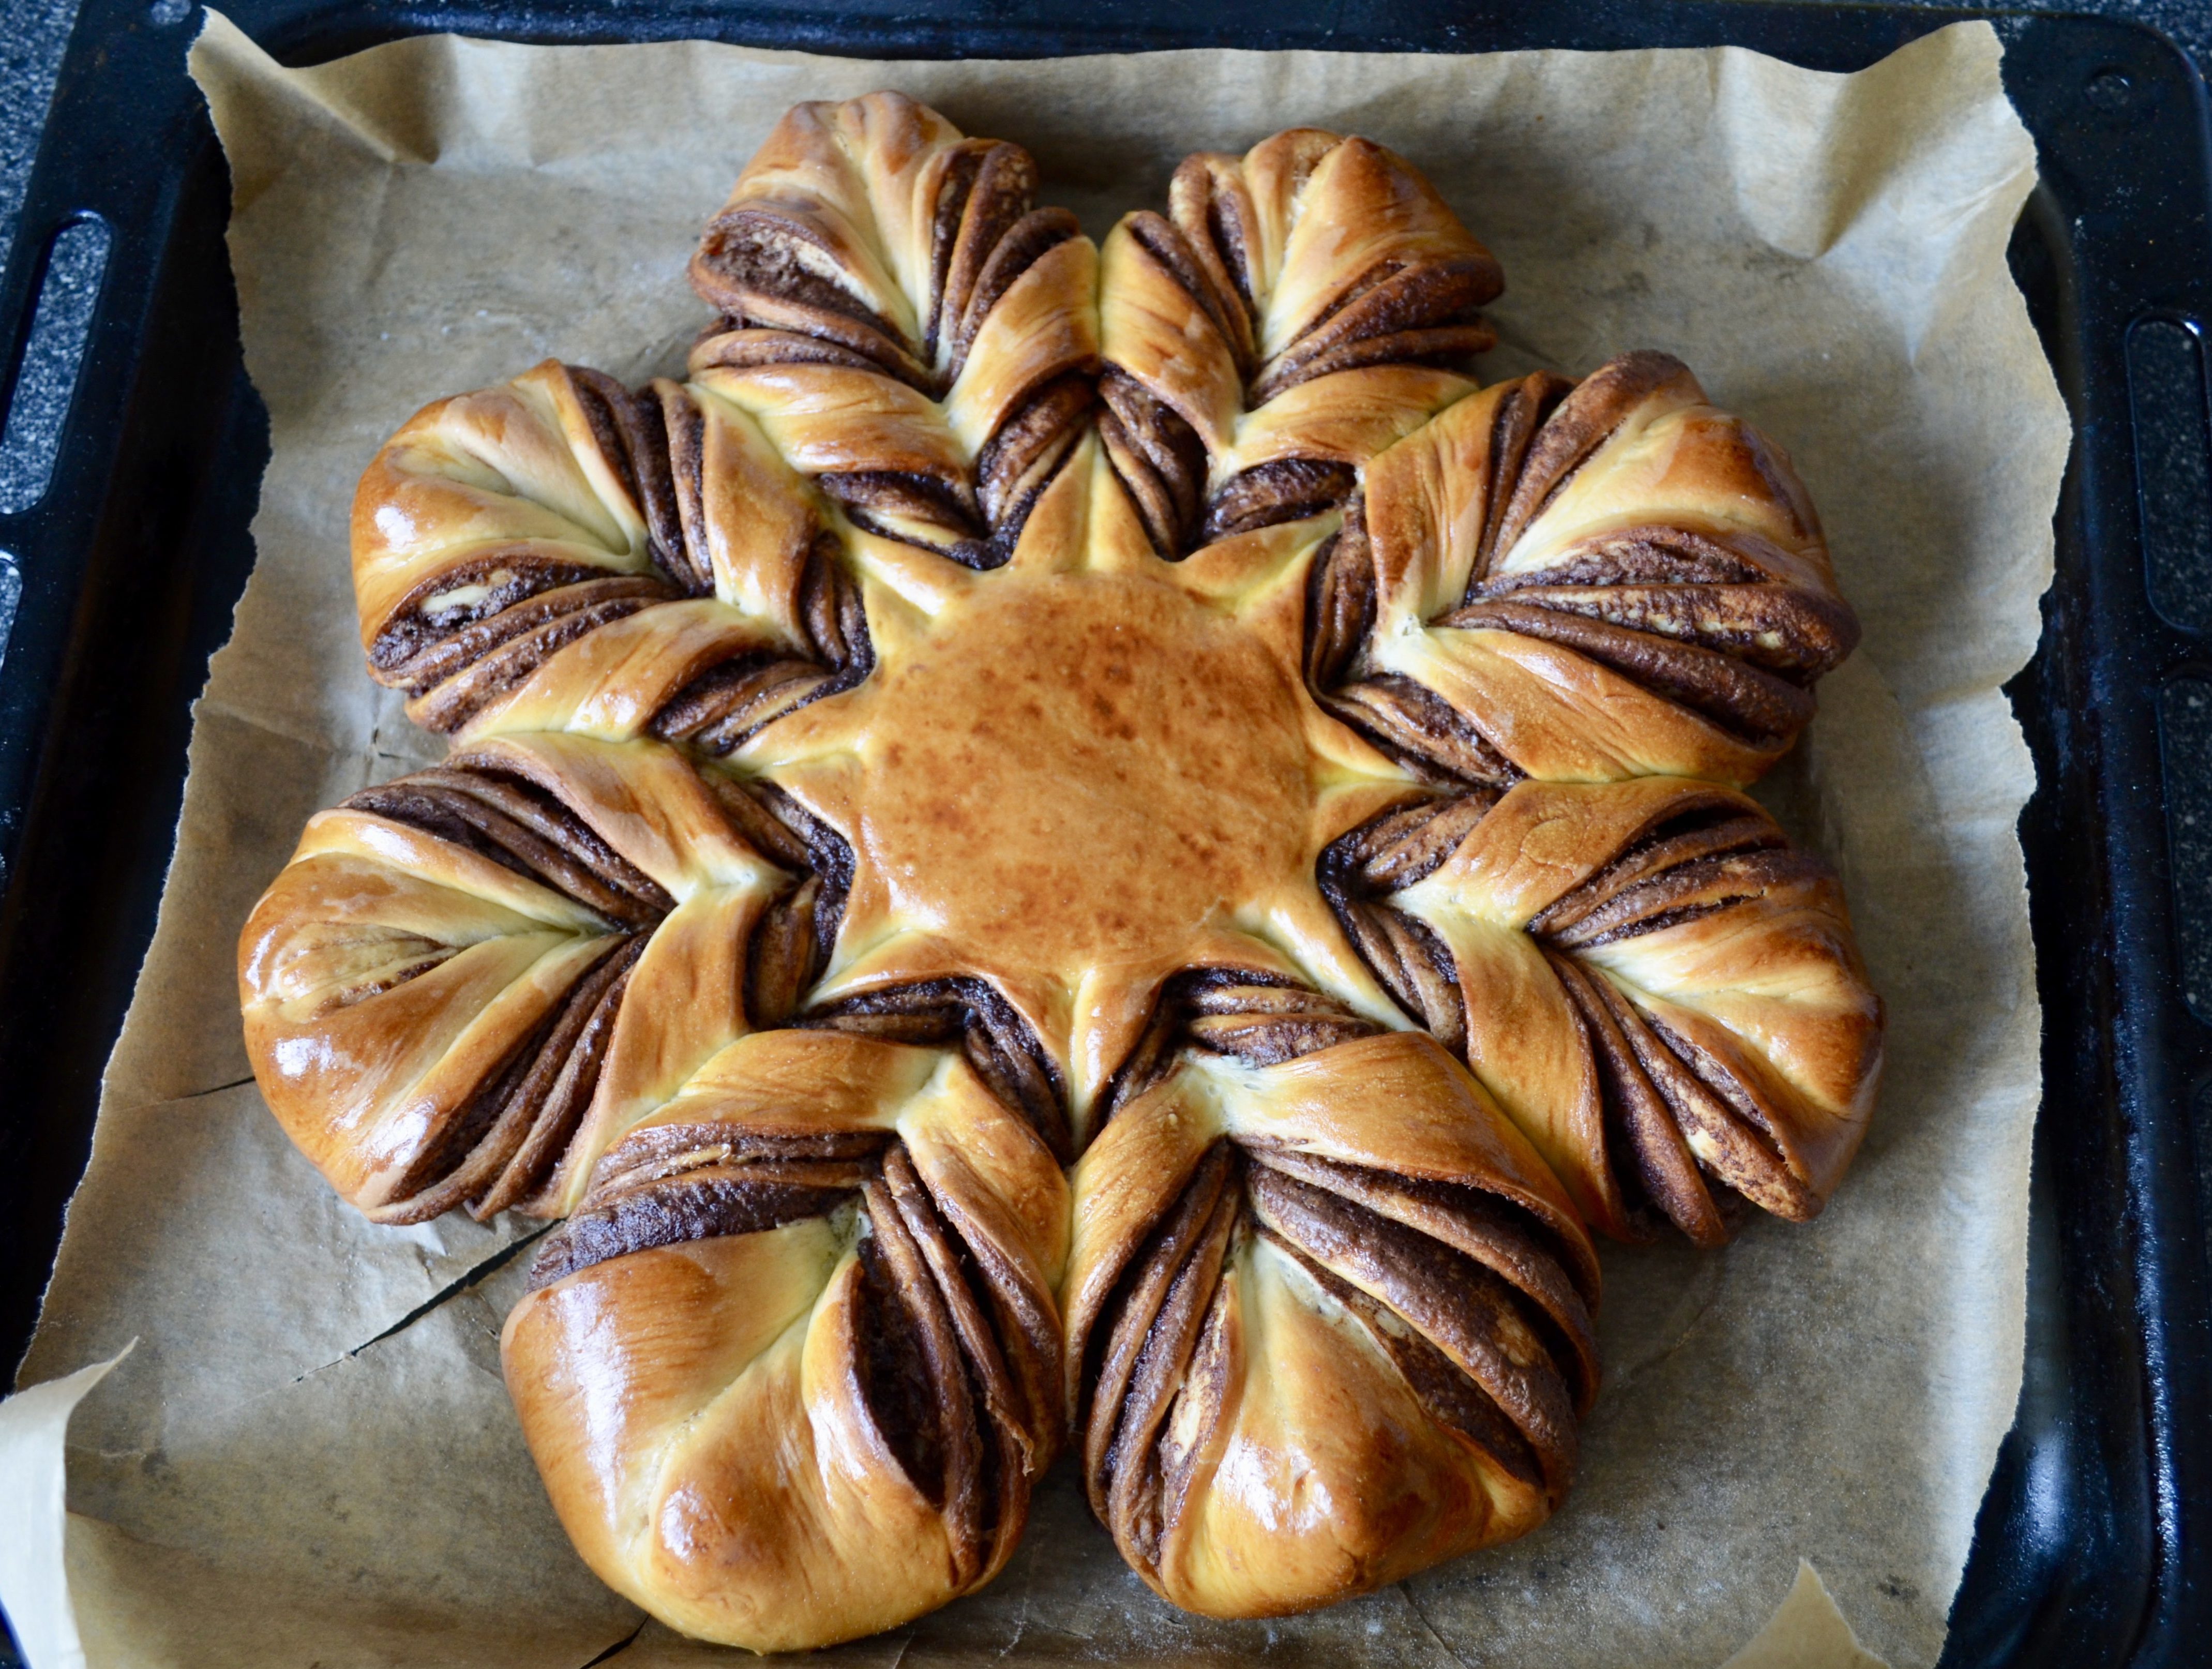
x,y
309,1456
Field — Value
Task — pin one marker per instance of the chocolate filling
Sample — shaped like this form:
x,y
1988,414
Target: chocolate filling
x,y
1009,1451
1015,252
1695,884
1573,431
1649,1162
1557,1278
509,1147
1388,852
1020,461
1134,1361
1704,826
732,344
1523,412
1784,637
1165,243
683,425
420,645
947,223
1209,206
1477,1320
1418,315
507,1141
1626,556
744,1197
1159,457
1257,1017
1421,730
1391,314
1450,1395
1711,855
727,705
457,658
1287,489
1391,851
901,1375
986,234
1480,1308
1340,603
505,667
959,1396
1749,702
997,1042
518,825
1411,723
758,268
1696,618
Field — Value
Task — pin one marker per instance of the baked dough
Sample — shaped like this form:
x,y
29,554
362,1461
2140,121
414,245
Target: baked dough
x,y
1328,1315
985,829
1584,582
791,1366
1661,992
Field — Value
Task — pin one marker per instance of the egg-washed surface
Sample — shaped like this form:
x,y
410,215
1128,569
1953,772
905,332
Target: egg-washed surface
x,y
1536,291
1019,706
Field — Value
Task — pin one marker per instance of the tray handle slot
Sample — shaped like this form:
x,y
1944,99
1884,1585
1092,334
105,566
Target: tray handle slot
x,y
11,599
2185,735
46,375
2173,467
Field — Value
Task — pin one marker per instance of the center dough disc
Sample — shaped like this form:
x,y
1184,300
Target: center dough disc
x,y
1077,770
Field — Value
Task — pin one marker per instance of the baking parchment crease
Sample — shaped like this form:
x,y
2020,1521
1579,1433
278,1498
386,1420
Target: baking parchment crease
x,y
309,1454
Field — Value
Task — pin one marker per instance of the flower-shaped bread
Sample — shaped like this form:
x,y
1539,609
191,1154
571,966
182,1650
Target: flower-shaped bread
x,y
985,832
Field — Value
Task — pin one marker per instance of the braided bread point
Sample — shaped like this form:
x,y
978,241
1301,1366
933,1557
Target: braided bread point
x,y
467,979
558,554
1327,1324
915,334
904,355
1661,992
792,1368
1594,581
1297,310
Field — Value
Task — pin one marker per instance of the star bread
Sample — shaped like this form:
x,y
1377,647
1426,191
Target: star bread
x,y
1071,848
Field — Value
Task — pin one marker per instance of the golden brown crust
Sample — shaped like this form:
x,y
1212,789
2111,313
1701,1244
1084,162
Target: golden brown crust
x,y
1338,1277
792,1369
915,333
558,553
1300,308
1599,580
1015,704
1661,991
436,989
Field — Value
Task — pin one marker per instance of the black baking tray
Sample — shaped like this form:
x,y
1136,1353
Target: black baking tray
x,y
2092,1545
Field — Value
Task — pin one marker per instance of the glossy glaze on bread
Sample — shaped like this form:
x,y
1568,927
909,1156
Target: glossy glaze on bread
x,y
1072,847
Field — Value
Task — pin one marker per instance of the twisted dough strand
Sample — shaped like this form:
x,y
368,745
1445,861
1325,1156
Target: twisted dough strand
x,y
1596,580
832,1268
511,893
1259,1253
869,240
1313,257
1682,1024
